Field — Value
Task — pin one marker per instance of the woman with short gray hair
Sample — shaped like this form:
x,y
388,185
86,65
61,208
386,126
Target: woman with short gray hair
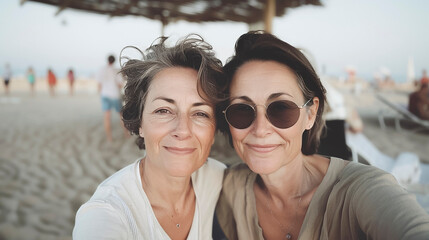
x,y
171,192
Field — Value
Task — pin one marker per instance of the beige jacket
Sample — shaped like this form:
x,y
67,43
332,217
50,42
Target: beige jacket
x,y
353,201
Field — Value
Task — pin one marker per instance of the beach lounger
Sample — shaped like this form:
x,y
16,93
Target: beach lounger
x,y
406,167
403,113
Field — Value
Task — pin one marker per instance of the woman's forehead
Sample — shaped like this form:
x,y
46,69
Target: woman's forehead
x,y
263,79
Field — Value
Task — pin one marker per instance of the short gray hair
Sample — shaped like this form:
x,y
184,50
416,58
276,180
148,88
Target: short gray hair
x,y
191,52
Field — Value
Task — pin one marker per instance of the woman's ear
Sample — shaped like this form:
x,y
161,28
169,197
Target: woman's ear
x,y
312,113
214,138
141,132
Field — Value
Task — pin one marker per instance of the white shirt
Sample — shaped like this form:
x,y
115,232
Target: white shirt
x,y
110,80
7,73
120,209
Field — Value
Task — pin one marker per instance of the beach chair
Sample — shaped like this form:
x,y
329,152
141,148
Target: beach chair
x,y
403,113
406,167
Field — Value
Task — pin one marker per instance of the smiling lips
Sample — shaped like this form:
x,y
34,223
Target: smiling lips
x,y
181,151
262,148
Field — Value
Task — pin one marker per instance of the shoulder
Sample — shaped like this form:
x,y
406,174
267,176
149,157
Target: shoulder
x,y
366,182
234,207
104,69
210,173
215,165
381,206
107,206
357,180
116,189
238,173
211,167
120,177
362,172
92,219
236,178
207,184
364,188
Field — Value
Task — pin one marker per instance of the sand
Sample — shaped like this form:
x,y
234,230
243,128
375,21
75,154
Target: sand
x,y
53,154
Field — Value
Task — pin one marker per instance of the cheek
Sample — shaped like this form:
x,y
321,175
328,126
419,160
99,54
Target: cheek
x,y
205,135
154,133
152,139
293,137
237,139
237,134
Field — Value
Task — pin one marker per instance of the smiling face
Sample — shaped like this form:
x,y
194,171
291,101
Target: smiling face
x,y
262,146
178,126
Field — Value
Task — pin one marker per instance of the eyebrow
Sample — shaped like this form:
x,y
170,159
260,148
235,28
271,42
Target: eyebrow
x,y
276,95
245,98
169,100
272,96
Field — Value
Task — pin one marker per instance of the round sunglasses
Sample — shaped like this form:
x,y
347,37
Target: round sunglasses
x,y
282,114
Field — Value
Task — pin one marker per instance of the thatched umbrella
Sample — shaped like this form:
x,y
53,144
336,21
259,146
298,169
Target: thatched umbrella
x,y
166,11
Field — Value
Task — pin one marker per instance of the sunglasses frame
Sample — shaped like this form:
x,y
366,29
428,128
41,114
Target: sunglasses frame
x,y
266,113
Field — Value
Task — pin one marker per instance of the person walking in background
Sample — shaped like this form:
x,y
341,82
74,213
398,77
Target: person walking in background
x,y
339,117
70,76
52,82
109,86
31,78
419,102
425,78
7,78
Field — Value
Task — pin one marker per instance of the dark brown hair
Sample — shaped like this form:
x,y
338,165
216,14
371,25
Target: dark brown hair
x,y
111,59
191,52
258,45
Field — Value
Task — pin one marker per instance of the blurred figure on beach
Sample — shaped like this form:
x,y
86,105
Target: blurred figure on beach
x,y
110,84
419,102
31,78
351,74
7,76
70,77
425,78
353,80
383,79
339,118
52,82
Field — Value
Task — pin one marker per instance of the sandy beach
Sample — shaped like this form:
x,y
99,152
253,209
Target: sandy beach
x,y
53,153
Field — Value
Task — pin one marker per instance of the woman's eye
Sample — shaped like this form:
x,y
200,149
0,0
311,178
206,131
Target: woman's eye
x,y
162,111
202,114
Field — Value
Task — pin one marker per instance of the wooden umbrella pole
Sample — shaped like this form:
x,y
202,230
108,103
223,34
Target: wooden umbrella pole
x,y
270,11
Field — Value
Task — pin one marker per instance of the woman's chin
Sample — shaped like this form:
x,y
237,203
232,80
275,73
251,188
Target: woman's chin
x,y
261,167
182,170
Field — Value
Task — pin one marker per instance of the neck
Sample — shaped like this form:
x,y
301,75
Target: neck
x,y
299,178
292,174
162,189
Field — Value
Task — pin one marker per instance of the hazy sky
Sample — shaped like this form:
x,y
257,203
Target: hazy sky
x,y
368,35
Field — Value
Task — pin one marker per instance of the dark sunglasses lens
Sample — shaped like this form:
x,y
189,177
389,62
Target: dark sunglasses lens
x,y
240,115
283,114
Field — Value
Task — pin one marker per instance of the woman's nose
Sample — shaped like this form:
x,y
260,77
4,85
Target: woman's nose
x,y
182,129
261,126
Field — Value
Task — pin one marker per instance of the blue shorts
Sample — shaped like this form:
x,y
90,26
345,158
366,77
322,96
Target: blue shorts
x,y
109,103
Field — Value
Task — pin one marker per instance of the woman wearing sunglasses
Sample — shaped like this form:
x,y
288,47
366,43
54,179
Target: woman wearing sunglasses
x,y
170,193
283,190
